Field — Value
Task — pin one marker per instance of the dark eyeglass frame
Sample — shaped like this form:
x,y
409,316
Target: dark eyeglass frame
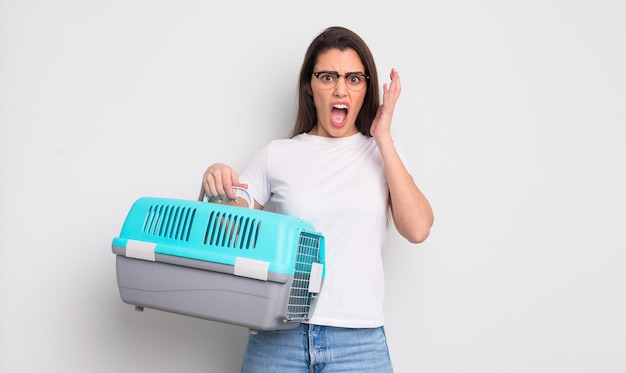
x,y
346,76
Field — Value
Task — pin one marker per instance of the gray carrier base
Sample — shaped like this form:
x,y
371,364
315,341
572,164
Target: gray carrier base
x,y
205,290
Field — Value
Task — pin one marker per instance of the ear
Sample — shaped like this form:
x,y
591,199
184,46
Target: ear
x,y
309,90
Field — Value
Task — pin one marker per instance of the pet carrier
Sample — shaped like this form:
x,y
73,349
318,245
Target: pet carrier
x,y
236,265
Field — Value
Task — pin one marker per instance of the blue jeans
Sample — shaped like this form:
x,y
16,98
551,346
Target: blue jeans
x,y
317,349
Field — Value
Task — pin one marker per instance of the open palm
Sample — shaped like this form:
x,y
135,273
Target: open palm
x,y
381,126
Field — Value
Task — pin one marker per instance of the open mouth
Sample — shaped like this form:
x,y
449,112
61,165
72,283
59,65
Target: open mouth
x,y
338,114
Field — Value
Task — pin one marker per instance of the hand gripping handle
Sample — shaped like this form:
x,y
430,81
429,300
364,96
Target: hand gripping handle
x,y
239,192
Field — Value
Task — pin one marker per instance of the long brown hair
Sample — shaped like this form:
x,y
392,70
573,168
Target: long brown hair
x,y
336,38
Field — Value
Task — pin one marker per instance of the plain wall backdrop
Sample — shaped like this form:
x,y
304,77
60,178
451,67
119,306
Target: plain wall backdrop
x,y
512,118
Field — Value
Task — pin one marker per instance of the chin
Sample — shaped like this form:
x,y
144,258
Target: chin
x,y
345,132
338,131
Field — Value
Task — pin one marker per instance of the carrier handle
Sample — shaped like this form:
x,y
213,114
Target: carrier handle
x,y
239,192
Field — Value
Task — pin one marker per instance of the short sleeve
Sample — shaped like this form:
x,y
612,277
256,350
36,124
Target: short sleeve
x,y
255,174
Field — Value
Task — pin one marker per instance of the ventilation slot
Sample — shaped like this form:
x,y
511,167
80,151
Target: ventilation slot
x,y
172,222
234,231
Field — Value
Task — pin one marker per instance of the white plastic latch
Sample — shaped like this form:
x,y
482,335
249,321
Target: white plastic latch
x,y
140,250
251,268
315,282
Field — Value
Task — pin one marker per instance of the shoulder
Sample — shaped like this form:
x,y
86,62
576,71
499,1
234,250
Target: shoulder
x,y
286,144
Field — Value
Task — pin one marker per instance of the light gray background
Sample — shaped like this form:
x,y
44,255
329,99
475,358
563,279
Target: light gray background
x,y
512,116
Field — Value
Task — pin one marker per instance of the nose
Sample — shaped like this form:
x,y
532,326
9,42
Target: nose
x,y
342,87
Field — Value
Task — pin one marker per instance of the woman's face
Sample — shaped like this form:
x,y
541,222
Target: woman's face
x,y
337,107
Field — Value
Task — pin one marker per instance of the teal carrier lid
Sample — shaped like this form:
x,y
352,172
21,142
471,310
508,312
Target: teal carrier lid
x,y
254,241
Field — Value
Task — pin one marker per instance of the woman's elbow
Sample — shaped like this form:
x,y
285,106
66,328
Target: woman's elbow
x,y
417,236
416,233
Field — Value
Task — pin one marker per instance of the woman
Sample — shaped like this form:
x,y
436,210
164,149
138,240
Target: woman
x,y
341,172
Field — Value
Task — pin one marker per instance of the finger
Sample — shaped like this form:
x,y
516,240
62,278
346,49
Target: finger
x,y
230,191
234,182
224,184
206,188
394,75
208,183
211,187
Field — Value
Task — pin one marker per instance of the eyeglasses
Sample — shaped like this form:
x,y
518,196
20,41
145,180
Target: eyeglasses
x,y
330,79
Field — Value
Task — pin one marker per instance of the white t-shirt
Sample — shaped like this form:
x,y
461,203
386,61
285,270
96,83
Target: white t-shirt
x,y
339,186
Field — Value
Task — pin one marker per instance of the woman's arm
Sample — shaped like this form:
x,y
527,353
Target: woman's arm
x,y
411,211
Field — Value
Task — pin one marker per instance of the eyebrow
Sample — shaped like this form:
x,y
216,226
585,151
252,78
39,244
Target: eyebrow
x,y
335,72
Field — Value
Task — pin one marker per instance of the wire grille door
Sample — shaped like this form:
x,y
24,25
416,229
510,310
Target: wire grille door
x,y
300,298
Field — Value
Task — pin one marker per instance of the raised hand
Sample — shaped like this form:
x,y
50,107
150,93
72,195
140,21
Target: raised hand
x,y
381,126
